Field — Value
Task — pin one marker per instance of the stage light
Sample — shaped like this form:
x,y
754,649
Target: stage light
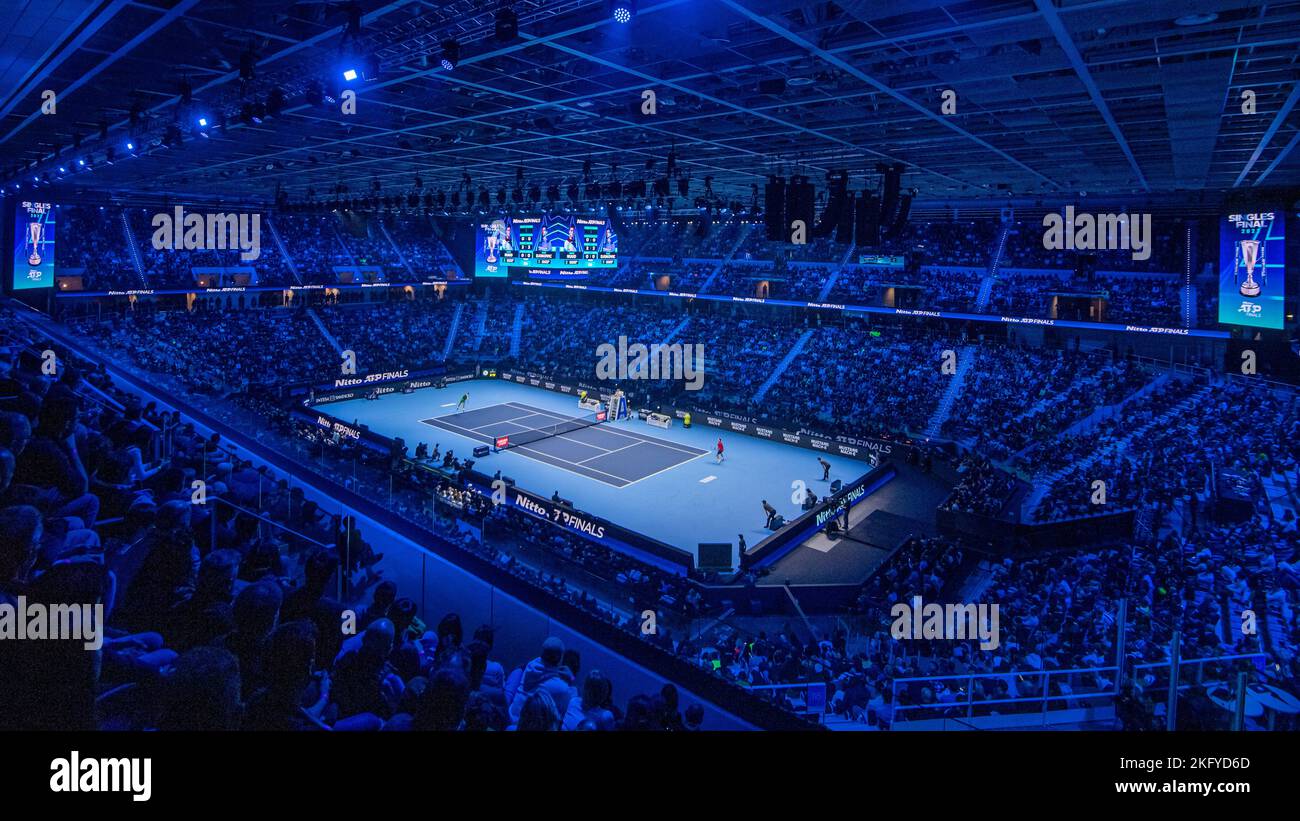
x,y
203,122
130,146
622,10
81,162
450,54
350,74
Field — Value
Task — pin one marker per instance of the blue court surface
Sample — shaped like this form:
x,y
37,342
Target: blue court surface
x,y
614,455
665,484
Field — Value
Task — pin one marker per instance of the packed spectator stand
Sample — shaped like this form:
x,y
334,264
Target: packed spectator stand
x,y
1051,418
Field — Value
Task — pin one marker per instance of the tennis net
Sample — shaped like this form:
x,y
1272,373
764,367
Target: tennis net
x,y
526,437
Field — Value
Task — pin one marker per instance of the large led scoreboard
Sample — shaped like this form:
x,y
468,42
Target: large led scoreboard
x,y
546,245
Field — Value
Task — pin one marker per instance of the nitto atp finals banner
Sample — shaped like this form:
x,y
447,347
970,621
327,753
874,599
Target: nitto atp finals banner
x,y
1252,283
33,246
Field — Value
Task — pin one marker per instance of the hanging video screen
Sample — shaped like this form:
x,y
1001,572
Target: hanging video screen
x,y
1252,282
33,246
548,243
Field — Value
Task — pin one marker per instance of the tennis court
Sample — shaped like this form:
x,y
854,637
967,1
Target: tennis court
x,y
601,451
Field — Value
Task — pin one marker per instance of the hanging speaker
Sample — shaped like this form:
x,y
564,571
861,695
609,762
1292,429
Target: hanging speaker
x,y
867,221
844,223
774,208
799,196
900,219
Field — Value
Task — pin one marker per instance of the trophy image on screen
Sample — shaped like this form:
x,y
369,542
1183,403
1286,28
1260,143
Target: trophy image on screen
x,y
494,235
1251,255
34,232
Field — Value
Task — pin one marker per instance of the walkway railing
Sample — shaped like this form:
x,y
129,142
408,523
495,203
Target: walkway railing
x,y
1040,682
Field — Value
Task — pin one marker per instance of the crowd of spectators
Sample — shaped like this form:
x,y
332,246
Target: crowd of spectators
x,y
223,614
952,259
847,380
1127,299
1152,443
982,488
1160,449
1025,249
95,244
1016,397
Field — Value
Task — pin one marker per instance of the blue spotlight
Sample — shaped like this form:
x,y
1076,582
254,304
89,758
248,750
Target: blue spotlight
x,y
622,10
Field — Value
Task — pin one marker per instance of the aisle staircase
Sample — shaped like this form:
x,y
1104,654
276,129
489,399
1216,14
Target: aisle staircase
x,y
325,332
284,252
829,285
795,350
717,269
965,359
677,331
133,250
451,331
400,256
1044,482
347,249
517,331
480,325
990,276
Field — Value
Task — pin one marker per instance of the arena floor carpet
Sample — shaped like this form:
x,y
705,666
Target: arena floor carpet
x,y
665,484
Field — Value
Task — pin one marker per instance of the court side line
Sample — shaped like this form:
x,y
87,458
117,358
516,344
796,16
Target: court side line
x,y
548,456
670,467
560,464
607,452
545,458
437,421
627,434
579,464
498,422
468,433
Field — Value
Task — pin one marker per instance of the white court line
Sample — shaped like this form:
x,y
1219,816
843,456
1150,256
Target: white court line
x,y
670,467
452,428
630,482
640,437
606,453
575,464
486,424
707,479
448,405
548,457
